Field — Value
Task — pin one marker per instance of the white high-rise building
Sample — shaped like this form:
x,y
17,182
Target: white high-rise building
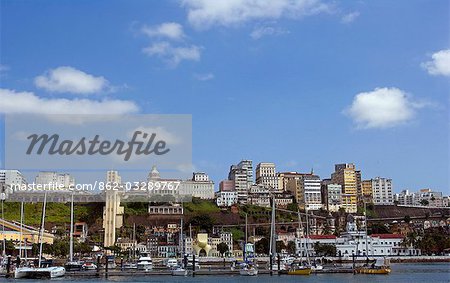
x,y
266,175
12,178
406,197
382,191
310,187
242,175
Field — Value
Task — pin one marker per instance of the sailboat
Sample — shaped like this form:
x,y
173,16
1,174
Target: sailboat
x,y
179,270
300,269
40,272
381,266
72,265
248,268
314,266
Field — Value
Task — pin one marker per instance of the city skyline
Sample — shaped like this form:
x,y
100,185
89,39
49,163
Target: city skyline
x,y
301,84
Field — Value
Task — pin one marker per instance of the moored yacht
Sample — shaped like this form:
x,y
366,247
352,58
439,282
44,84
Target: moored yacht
x,y
145,263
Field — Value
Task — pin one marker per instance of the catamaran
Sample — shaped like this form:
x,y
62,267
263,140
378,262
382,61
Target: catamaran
x,y
72,265
40,272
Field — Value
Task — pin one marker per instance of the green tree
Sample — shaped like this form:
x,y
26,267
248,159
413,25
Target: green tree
x,y
291,248
324,249
407,218
203,222
280,246
262,246
424,202
222,248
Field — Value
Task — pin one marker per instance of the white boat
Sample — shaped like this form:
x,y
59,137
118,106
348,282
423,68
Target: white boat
x,y
39,272
73,266
248,270
172,262
144,263
316,267
179,271
89,266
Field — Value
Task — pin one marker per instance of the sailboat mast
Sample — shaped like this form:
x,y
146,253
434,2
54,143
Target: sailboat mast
x,y
21,229
71,231
300,227
181,238
245,242
41,234
307,236
272,248
3,196
365,220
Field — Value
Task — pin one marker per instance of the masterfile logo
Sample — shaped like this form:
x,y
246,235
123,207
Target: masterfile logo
x,y
98,142
96,146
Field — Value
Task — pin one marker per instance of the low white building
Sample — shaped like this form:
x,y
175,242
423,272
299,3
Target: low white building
x,y
226,198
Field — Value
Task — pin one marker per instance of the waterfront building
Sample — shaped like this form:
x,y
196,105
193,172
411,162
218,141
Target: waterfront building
x,y
345,175
266,175
353,241
382,191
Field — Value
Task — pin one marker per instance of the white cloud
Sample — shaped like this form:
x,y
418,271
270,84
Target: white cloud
x,y
71,80
173,54
350,17
203,14
382,108
28,102
439,64
169,30
204,77
259,32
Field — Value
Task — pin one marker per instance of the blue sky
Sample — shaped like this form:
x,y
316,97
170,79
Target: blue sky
x,y
304,84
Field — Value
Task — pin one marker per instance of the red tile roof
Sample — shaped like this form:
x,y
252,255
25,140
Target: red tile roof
x,y
388,236
321,237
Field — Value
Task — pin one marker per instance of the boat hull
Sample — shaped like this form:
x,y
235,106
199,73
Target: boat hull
x,y
303,271
39,273
179,272
372,270
248,272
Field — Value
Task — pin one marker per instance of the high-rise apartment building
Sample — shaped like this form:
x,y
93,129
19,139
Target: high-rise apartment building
x,y
306,187
242,175
366,192
346,176
266,175
382,191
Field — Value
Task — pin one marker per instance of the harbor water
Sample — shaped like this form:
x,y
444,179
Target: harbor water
x,y
402,272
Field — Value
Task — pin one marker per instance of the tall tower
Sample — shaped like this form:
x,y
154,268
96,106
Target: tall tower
x,y
112,212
